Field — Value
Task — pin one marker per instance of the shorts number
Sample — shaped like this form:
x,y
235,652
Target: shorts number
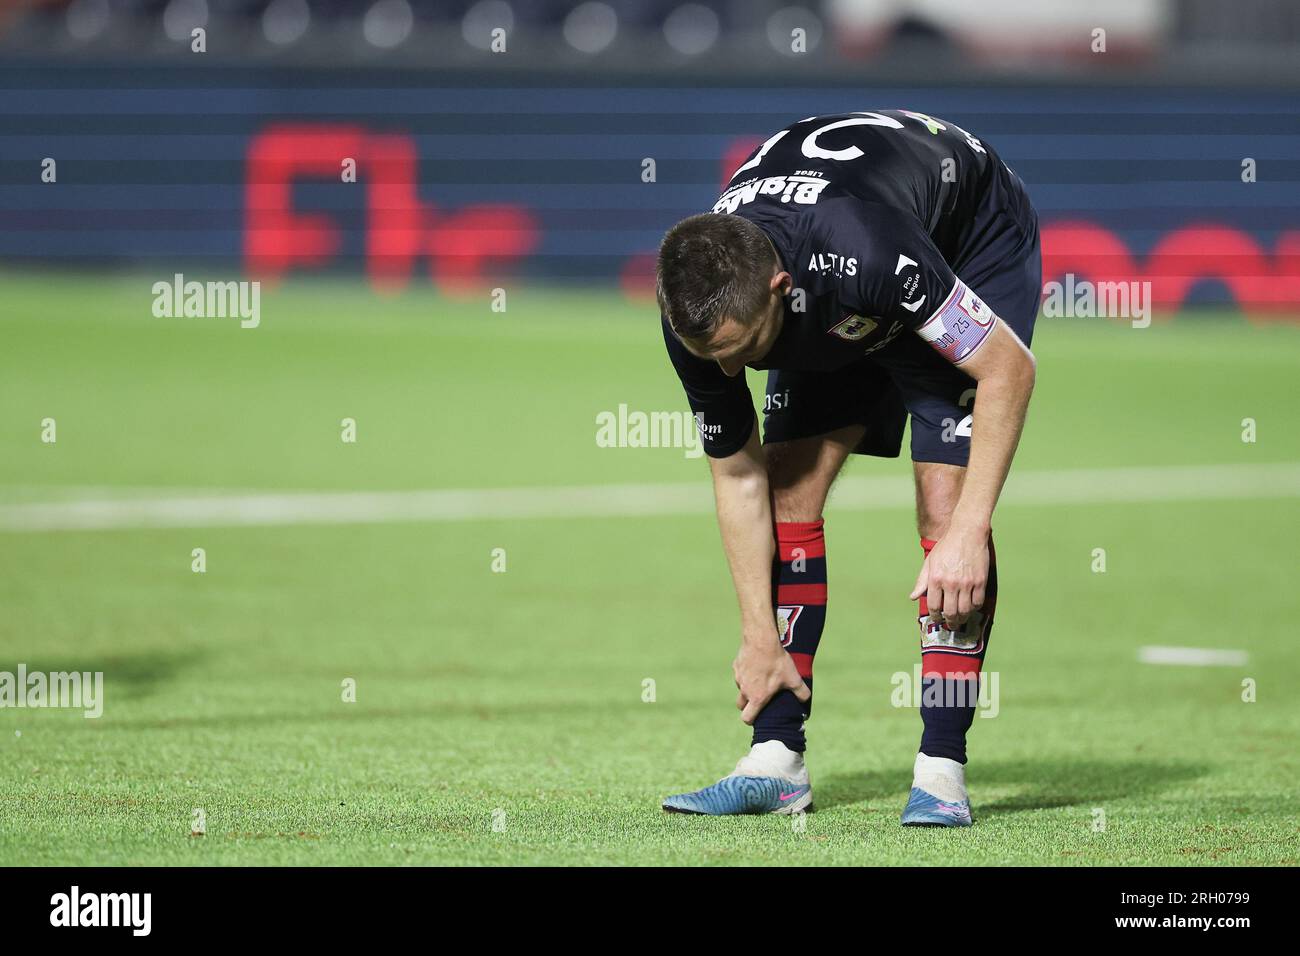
x,y
964,426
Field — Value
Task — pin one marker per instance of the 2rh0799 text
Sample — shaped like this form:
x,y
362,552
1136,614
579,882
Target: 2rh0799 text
x,y
1199,897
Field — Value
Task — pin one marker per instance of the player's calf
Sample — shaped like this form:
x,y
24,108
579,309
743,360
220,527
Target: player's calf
x,y
772,777
951,660
800,474
799,587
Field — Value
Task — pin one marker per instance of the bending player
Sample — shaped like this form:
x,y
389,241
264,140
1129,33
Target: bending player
x,y
877,264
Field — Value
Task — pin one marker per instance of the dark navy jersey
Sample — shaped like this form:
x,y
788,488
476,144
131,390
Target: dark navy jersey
x,y
873,215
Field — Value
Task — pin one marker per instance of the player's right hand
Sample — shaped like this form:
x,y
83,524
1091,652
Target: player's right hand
x,y
762,668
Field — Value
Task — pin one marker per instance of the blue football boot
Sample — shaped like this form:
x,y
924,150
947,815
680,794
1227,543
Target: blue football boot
x,y
769,779
938,797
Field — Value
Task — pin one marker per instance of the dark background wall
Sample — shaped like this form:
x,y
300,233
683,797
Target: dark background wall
x,y
464,176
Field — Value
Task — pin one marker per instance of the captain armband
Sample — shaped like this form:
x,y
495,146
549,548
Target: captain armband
x,y
959,326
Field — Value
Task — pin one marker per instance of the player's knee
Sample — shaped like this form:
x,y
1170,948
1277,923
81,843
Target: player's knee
x,y
797,503
796,497
938,486
798,488
932,518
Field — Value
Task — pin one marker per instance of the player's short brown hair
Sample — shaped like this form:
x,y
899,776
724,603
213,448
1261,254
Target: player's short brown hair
x,y
713,266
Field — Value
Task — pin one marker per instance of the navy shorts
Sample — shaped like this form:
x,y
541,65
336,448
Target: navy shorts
x,y
908,376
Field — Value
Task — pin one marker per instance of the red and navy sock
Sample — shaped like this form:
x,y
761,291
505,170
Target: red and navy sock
x,y
799,584
950,671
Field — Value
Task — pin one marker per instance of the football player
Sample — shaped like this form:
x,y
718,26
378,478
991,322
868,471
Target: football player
x,y
877,265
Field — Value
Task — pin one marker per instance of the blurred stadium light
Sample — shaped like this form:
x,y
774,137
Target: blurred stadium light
x,y
638,34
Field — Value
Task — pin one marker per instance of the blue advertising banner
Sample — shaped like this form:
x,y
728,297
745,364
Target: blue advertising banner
x,y
452,181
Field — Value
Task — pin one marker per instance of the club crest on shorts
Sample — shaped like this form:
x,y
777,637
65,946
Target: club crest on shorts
x,y
853,328
786,615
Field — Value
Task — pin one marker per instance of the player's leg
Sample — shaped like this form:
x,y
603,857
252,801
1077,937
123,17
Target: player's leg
x,y
941,399
772,777
800,474
813,423
951,661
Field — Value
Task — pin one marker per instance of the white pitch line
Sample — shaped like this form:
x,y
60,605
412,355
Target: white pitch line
x,y
181,509
1192,656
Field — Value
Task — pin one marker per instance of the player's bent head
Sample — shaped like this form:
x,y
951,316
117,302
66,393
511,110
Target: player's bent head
x,y
718,279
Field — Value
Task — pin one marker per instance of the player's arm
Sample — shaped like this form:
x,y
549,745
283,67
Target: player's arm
x,y
905,278
955,574
744,504
1004,369
728,432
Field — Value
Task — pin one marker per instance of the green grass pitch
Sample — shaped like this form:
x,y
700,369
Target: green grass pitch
x,y
499,716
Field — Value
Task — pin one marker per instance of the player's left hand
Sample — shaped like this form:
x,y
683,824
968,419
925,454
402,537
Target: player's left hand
x,y
954,576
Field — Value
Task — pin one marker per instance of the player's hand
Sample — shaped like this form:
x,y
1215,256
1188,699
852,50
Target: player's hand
x,y
762,668
954,576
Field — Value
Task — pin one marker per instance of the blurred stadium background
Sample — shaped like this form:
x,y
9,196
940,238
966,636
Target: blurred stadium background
x,y
518,698
487,163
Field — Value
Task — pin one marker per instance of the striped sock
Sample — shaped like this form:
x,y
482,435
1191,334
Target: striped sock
x,y
950,671
799,582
